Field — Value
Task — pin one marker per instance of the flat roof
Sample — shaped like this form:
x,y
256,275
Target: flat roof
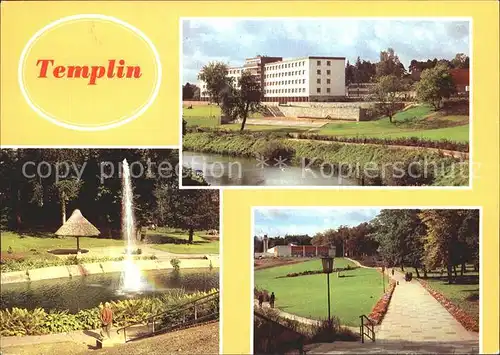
x,y
315,57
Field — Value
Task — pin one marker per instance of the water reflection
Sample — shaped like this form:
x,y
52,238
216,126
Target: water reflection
x,y
84,292
222,170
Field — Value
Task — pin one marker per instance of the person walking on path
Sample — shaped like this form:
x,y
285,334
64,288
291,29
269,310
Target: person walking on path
x,y
271,299
106,320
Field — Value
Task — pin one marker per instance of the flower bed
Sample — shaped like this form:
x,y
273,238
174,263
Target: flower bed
x,y
378,312
465,319
315,272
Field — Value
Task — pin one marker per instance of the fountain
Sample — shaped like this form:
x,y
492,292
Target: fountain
x,y
131,280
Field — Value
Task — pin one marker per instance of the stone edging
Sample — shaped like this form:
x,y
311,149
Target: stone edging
x,y
460,315
64,271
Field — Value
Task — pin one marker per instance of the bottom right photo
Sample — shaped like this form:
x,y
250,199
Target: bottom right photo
x,y
350,280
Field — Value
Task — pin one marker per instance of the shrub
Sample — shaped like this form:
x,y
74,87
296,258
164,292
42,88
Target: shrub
x,y
21,322
175,264
272,149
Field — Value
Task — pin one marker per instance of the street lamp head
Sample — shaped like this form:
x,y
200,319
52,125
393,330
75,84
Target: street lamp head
x,y
327,264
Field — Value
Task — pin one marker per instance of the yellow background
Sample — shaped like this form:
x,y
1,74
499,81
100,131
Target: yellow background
x,y
160,126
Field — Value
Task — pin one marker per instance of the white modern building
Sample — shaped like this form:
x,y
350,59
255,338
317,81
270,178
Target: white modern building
x,y
294,80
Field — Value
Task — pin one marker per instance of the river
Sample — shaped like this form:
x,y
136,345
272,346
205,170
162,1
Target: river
x,y
222,170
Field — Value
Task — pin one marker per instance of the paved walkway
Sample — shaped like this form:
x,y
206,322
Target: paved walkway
x,y
276,121
88,337
300,319
415,315
147,250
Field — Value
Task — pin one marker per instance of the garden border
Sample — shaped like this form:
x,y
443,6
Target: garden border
x,y
458,313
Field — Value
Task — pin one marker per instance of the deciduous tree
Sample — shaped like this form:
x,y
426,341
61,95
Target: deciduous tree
x,y
386,93
435,85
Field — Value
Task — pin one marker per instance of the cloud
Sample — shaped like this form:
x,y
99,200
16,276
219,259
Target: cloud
x,y
232,40
304,220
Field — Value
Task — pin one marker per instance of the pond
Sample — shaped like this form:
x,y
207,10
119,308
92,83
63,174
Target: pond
x,y
222,170
83,292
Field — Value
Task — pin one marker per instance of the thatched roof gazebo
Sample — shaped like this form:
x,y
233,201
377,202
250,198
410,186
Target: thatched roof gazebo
x,y
78,226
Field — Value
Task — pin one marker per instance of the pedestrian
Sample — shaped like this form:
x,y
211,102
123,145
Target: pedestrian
x,y
392,271
271,300
261,299
106,320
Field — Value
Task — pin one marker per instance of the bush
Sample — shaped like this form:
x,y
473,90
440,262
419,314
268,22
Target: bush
x,y
272,150
175,264
21,322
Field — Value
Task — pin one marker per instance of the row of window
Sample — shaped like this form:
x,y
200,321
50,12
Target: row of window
x,y
286,82
296,81
285,91
285,65
292,91
288,73
291,73
295,64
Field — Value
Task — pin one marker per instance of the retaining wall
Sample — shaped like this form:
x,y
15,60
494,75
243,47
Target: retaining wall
x,y
56,272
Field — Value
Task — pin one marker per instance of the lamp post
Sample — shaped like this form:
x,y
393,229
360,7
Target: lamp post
x,y
327,269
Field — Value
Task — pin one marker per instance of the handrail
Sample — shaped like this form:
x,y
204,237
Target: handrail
x,y
370,328
169,309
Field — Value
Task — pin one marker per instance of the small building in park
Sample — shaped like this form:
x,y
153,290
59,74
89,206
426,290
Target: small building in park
x,y
460,78
302,251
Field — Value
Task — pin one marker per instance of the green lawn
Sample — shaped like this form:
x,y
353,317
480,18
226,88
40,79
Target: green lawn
x,y
306,296
419,121
175,241
23,244
207,111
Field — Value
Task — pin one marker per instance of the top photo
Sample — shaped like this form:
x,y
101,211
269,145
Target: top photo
x,y
327,102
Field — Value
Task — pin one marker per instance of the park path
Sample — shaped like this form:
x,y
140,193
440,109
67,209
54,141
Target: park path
x,y
415,315
416,322
297,318
88,337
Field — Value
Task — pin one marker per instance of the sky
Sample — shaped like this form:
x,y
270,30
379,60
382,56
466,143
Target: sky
x,y
281,221
231,40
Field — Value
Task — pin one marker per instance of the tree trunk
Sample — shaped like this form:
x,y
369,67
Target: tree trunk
x,y
245,115
455,270
416,271
191,233
463,269
63,207
449,271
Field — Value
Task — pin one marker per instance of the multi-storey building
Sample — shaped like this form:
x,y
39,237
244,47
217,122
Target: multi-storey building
x,y
292,80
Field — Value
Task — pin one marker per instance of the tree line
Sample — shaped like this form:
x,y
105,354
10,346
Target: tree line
x,y
32,200
364,71
426,240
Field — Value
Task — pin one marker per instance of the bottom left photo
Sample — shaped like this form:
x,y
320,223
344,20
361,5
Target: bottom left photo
x,y
102,253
